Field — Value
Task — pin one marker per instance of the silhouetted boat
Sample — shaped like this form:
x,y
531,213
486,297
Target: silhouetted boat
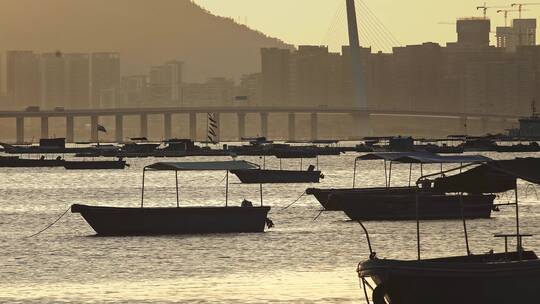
x,y
492,278
180,220
264,176
16,162
388,205
95,164
503,278
398,203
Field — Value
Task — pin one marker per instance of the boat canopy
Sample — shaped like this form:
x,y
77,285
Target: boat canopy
x,y
204,166
424,158
492,177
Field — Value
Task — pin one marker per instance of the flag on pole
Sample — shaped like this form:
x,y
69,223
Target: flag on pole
x,y
212,128
101,128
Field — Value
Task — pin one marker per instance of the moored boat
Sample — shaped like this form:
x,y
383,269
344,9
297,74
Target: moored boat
x,y
111,221
265,176
492,278
398,203
95,164
115,221
16,162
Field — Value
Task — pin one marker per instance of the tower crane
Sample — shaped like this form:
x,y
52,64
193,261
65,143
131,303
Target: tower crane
x,y
521,5
506,11
485,8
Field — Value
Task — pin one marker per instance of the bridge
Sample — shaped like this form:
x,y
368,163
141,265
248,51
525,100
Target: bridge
x,y
358,114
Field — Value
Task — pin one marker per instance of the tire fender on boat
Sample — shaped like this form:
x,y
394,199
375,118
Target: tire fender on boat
x,y
378,294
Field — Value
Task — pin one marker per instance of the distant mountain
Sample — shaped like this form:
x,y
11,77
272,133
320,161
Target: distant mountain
x,y
145,32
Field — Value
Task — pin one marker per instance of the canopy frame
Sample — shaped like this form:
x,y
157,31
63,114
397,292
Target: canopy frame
x,y
172,167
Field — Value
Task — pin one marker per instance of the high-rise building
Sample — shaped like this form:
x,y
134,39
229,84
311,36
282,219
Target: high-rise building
x,y
473,32
104,79
276,76
165,83
52,80
22,78
134,91
521,33
77,89
251,88
312,75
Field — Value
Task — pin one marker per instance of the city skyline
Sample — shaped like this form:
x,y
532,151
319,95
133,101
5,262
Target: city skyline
x,y
312,28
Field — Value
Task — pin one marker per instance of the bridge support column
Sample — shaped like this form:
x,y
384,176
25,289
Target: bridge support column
x,y
167,125
314,126
241,125
45,127
70,129
93,128
292,126
362,125
264,124
19,121
119,128
193,126
463,127
143,125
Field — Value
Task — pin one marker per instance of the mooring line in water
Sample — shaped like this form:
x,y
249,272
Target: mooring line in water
x,y
296,200
321,212
50,225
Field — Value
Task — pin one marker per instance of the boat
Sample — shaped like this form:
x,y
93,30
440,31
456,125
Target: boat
x,y
490,278
127,221
265,176
17,162
398,203
95,164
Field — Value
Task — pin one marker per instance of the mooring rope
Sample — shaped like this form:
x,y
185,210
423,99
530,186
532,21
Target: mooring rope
x,y
296,200
321,212
50,225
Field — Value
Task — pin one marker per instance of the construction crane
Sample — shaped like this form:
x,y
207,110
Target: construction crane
x,y
521,5
485,8
506,11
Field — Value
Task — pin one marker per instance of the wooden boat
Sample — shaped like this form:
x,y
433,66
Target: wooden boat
x,y
111,221
114,221
95,164
402,205
278,176
16,162
502,278
398,203
323,195
493,278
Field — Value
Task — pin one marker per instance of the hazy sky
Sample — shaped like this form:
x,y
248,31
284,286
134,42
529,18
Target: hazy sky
x,y
308,21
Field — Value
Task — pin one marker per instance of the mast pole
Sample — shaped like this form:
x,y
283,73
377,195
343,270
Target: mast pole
x,y
142,189
417,225
354,173
227,189
261,192
464,223
385,175
390,174
177,196
518,240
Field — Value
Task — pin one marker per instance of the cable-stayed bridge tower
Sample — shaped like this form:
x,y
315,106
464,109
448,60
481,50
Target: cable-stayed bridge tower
x,y
361,121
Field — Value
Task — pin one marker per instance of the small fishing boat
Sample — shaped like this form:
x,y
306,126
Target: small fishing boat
x,y
17,162
95,164
493,278
399,203
117,221
265,176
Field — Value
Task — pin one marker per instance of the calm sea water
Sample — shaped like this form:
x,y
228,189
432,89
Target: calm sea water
x,y
298,261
